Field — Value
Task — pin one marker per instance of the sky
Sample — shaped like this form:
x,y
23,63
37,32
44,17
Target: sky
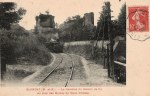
x,y
62,9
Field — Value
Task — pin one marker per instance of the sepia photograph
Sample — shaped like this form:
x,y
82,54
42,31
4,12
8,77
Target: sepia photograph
x,y
74,47
56,44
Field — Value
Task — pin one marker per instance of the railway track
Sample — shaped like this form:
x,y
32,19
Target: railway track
x,y
71,72
50,72
60,74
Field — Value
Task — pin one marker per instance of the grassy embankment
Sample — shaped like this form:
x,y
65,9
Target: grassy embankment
x,y
86,49
23,52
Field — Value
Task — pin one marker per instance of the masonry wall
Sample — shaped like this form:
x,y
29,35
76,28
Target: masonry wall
x,y
45,22
88,20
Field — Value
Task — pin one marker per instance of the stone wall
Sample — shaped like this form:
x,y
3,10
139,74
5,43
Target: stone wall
x,y
88,20
45,21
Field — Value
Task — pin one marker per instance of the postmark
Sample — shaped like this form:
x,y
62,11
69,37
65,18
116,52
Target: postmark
x,y
138,22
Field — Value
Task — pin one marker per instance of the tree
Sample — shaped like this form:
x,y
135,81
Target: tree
x,y
117,27
122,21
9,14
102,24
36,31
73,30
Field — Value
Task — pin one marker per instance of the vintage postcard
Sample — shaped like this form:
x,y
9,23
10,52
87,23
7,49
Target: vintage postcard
x,y
75,47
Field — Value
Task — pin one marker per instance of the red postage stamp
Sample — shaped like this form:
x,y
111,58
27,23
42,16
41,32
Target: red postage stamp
x,y
138,19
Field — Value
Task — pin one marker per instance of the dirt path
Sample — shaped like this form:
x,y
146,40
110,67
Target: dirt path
x,y
98,76
85,74
95,75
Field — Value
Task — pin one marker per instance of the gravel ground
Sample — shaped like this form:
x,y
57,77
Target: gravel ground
x,y
17,74
34,80
86,74
90,74
79,75
60,76
98,76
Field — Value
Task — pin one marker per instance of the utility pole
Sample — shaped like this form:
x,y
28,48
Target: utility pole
x,y
110,38
98,34
103,34
103,42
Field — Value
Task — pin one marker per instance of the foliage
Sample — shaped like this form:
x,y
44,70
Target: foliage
x,y
36,31
122,21
117,27
73,30
81,50
46,35
102,24
18,44
9,14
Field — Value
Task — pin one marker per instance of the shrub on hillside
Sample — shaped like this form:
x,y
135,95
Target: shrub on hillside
x,y
42,38
19,45
88,51
82,50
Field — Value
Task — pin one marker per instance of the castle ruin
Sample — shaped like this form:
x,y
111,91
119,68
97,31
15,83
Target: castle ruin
x,y
88,20
44,22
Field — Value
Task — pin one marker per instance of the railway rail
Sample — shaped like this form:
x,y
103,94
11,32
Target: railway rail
x,y
71,71
52,73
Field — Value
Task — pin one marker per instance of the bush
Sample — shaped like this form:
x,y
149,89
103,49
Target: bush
x,y
88,51
82,50
20,45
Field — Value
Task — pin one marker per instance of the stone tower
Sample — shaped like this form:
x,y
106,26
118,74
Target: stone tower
x,y
44,22
88,20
